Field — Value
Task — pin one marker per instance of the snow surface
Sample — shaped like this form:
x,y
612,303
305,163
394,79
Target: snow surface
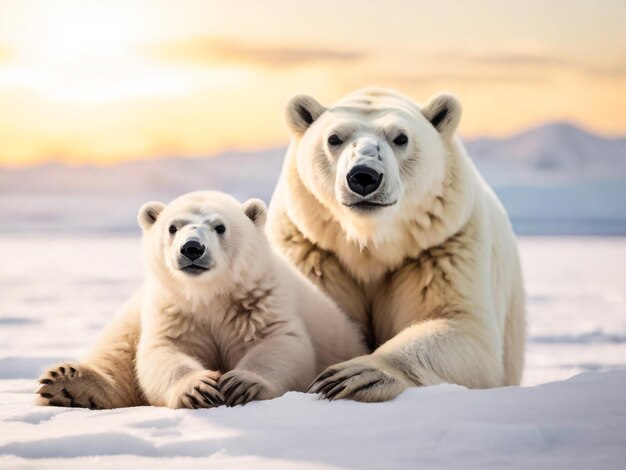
x,y
56,293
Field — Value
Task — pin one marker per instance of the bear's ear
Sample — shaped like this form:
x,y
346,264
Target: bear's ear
x,y
444,113
149,213
302,111
256,211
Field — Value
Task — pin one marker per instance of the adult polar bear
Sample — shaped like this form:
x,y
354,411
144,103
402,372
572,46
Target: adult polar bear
x,y
379,204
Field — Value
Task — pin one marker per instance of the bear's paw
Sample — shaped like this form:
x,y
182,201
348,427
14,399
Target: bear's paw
x,y
364,379
199,390
72,385
241,386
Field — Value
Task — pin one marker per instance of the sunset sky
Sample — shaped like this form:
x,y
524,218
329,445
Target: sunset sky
x,y
103,81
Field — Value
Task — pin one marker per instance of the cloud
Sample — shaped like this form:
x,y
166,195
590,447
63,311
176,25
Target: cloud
x,y
526,68
213,50
465,78
538,61
610,71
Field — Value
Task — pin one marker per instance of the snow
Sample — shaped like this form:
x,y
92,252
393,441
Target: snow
x,y
56,293
437,427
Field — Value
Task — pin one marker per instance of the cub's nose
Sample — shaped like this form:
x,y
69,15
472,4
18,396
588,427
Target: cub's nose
x,y
364,180
192,249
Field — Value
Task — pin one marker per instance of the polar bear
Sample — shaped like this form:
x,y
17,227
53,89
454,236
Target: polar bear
x,y
221,319
379,205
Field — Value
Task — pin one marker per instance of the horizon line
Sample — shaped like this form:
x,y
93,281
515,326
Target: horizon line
x,y
61,161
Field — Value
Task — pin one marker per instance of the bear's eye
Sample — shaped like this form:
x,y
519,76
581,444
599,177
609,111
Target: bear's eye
x,y
173,229
402,139
220,229
334,140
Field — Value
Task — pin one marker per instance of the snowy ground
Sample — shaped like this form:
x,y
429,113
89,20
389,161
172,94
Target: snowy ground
x,y
57,293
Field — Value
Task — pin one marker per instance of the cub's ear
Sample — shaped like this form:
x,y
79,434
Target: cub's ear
x,y
256,211
149,213
302,111
444,113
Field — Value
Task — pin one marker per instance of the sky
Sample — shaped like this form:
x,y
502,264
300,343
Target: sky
x,y
104,81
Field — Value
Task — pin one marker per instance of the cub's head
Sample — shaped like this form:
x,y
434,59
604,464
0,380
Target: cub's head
x,y
202,237
372,154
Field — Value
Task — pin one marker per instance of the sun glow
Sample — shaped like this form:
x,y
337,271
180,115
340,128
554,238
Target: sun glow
x,y
87,53
84,32
101,81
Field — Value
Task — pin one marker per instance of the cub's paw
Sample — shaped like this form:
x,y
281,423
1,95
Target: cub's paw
x,y
241,386
73,385
198,390
365,378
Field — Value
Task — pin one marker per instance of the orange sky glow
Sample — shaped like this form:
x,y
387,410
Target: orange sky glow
x,y
102,81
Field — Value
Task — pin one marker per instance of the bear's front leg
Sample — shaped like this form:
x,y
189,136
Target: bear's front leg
x,y
442,350
279,363
170,377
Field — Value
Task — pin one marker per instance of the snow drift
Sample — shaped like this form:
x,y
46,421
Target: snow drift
x,y
578,423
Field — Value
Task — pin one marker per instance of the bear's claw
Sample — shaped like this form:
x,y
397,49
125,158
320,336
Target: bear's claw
x,y
202,392
245,388
358,380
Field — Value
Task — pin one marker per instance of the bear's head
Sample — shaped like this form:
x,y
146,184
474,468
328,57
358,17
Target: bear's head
x,y
203,240
371,156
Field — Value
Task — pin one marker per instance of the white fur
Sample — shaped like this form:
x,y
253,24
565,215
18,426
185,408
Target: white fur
x,y
435,278
251,327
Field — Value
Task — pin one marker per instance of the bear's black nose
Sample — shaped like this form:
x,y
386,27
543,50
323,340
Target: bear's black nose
x,y
364,180
192,249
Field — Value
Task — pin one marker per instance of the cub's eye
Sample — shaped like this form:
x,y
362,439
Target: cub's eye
x,y
220,229
334,140
173,229
402,139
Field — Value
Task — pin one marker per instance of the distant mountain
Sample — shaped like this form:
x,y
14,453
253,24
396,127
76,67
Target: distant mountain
x,y
551,154
557,179
57,197
239,173
553,179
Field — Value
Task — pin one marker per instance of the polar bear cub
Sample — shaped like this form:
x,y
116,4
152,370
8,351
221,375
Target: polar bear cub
x,y
221,319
